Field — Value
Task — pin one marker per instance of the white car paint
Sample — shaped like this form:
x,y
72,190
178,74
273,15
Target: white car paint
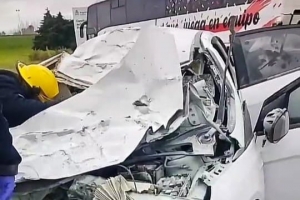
x,y
245,178
281,167
256,94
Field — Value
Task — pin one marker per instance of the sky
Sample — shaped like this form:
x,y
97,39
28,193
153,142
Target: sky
x,y
32,11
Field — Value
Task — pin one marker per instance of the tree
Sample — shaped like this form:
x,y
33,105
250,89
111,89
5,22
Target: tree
x,y
55,32
2,33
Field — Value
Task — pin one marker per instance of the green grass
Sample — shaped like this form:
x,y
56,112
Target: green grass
x,y
13,49
19,48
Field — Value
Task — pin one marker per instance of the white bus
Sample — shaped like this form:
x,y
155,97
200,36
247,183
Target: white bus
x,y
209,15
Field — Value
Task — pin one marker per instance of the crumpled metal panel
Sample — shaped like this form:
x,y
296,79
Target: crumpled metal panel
x,y
95,58
52,62
101,127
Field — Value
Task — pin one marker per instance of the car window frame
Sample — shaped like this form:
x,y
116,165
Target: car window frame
x,y
220,47
254,31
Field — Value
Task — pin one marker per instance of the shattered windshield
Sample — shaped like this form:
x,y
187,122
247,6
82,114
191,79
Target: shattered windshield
x,y
263,55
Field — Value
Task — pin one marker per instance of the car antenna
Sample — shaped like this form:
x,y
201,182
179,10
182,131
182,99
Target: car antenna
x,y
220,116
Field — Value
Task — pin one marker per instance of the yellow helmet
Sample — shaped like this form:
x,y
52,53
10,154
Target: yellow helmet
x,y
40,77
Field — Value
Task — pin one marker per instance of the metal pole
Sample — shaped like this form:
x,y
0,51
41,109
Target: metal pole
x,y
18,12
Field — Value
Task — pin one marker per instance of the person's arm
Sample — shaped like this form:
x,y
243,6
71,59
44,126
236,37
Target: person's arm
x,y
9,160
17,109
9,156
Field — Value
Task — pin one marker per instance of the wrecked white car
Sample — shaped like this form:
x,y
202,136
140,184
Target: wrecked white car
x,y
157,119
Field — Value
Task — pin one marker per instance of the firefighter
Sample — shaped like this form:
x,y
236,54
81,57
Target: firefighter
x,y
9,160
27,92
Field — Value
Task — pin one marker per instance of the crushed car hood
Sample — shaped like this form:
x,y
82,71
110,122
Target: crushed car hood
x,y
102,125
142,88
95,58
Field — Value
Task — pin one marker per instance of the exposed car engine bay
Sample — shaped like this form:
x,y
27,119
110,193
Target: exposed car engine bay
x,y
184,162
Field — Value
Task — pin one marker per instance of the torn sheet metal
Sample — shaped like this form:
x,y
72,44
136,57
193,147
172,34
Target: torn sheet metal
x,y
52,62
101,127
97,57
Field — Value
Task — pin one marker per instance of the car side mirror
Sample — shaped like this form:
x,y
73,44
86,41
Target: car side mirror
x,y
276,125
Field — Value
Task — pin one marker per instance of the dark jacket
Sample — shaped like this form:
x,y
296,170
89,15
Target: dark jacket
x,y
9,157
19,103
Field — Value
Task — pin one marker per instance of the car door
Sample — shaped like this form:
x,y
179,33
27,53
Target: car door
x,y
282,160
265,60
256,85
